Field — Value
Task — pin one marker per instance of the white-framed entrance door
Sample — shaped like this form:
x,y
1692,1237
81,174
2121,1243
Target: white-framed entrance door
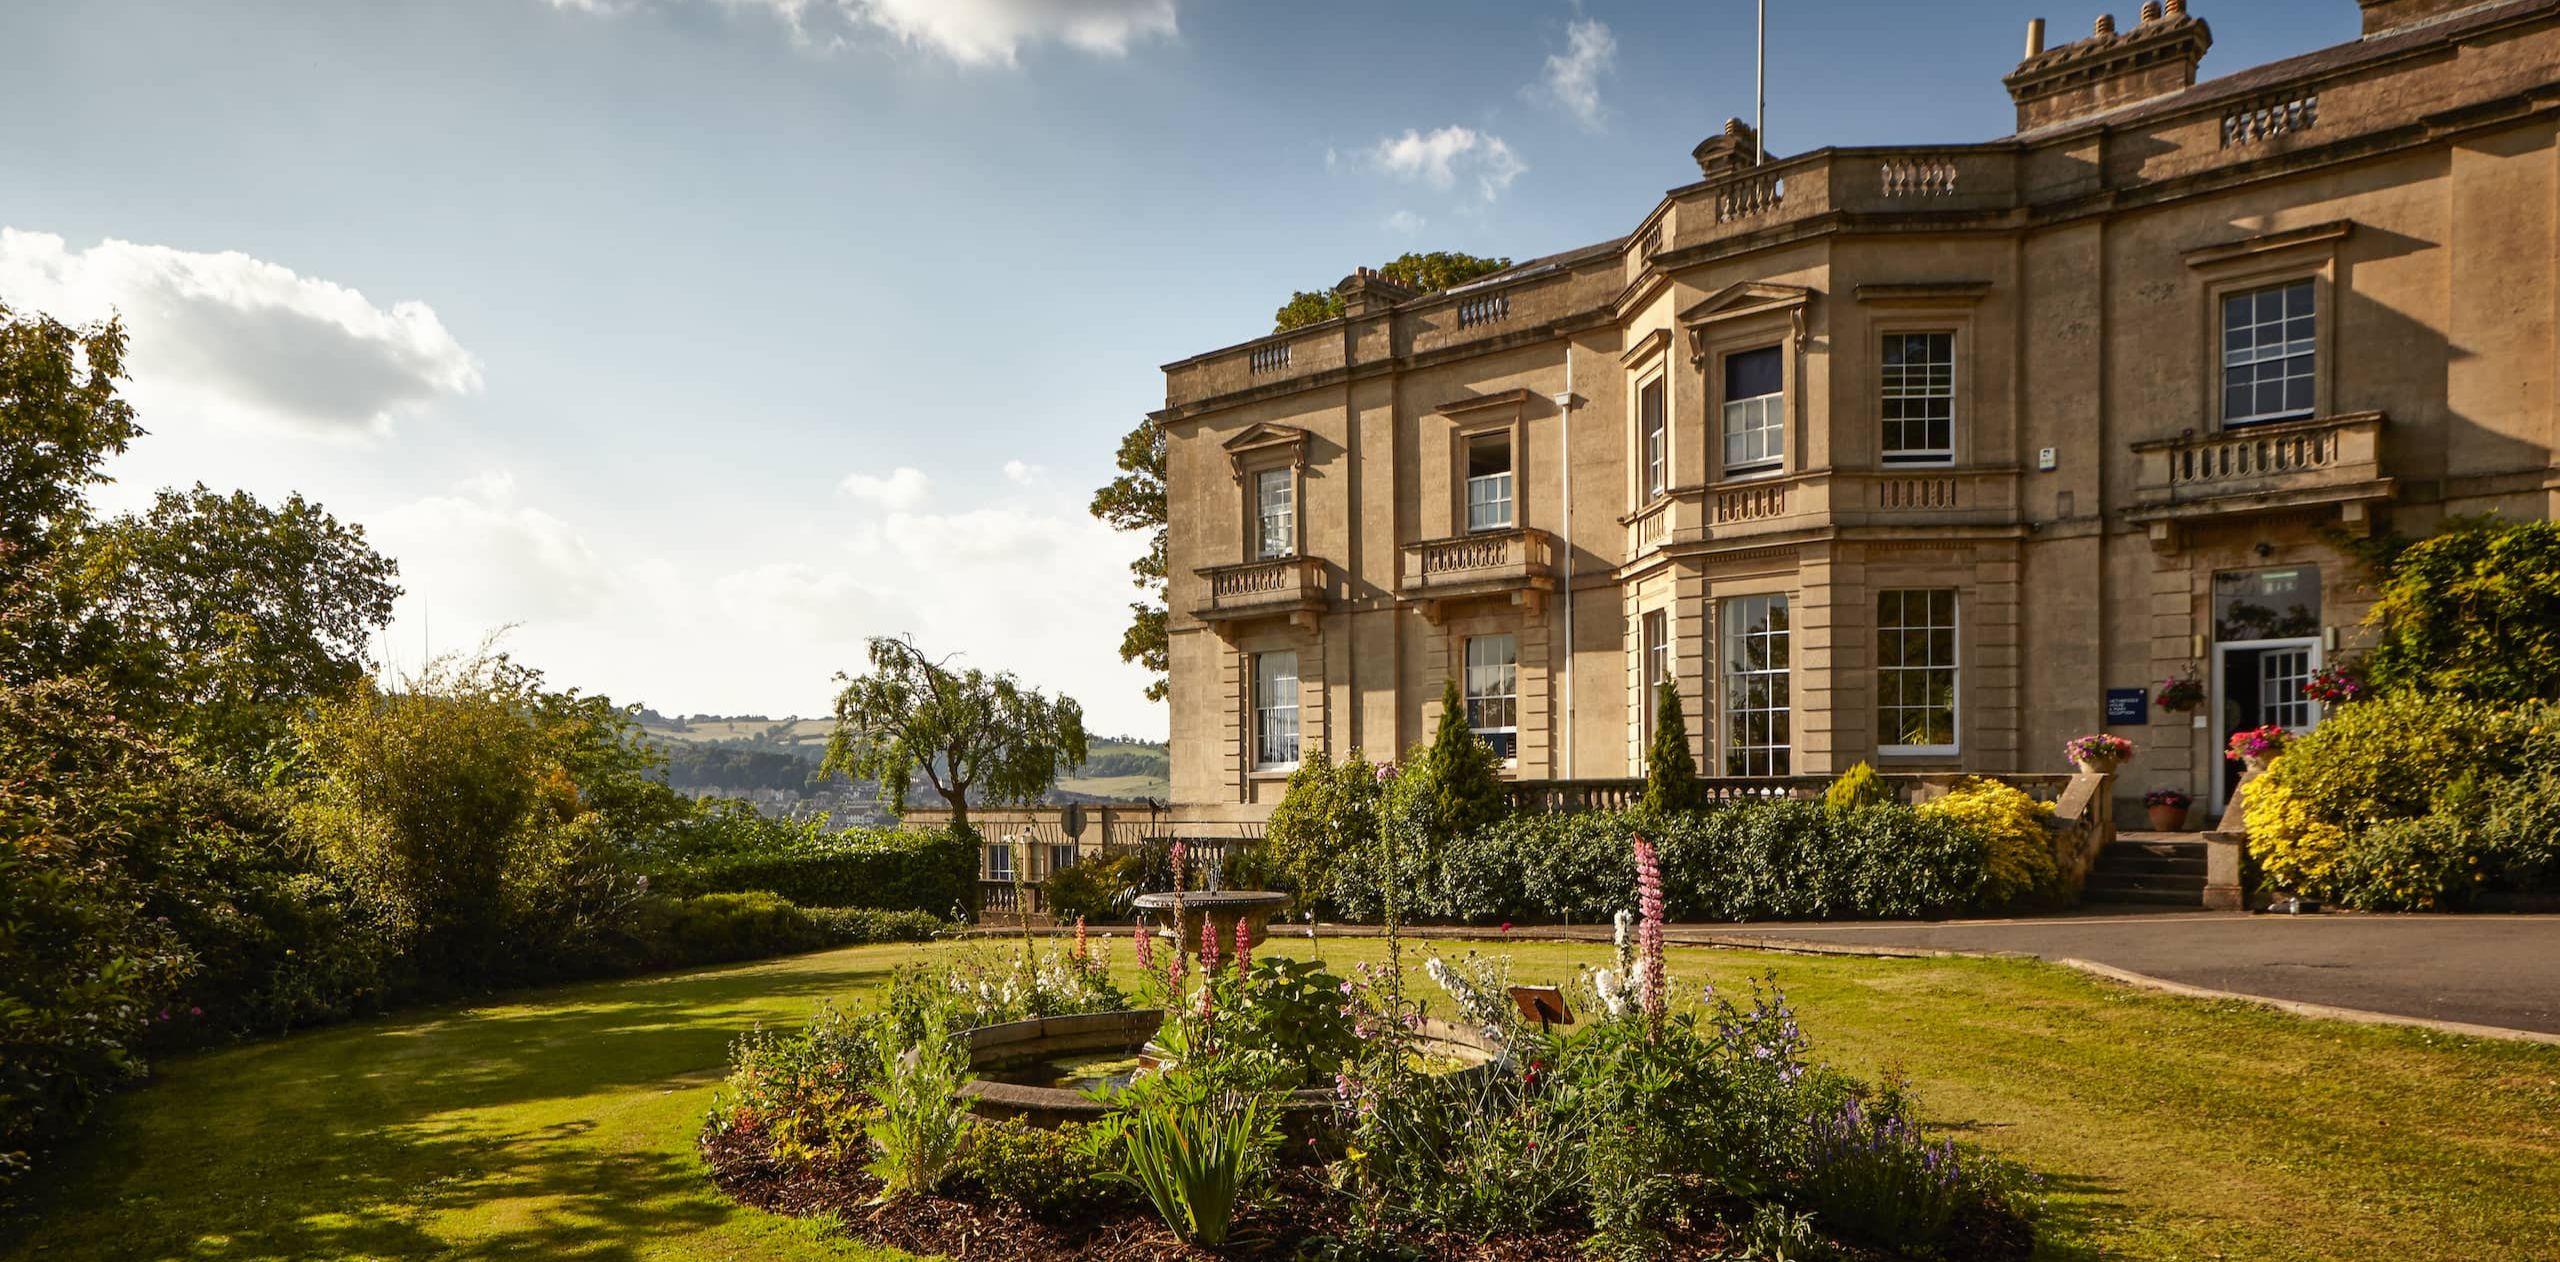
x,y
2255,683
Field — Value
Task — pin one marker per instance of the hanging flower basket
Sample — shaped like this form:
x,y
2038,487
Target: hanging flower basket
x,y
2099,754
2335,685
2180,694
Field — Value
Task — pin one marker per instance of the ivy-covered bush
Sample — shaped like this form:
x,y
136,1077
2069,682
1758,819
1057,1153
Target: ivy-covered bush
x,y
2021,867
866,867
2473,612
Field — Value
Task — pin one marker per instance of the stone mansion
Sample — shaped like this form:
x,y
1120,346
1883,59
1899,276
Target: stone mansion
x,y
1930,456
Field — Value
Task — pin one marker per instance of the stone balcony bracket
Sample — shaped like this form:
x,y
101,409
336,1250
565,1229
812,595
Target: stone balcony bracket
x,y
1290,587
2330,464
1518,565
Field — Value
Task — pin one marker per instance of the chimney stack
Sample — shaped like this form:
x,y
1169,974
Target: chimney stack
x,y
1728,151
2111,69
2035,36
2386,15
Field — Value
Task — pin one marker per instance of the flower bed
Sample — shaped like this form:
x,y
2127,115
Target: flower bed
x,y
1670,1122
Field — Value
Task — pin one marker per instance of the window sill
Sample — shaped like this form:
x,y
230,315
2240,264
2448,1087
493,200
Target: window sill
x,y
2277,418
1757,472
1919,752
1272,773
1892,461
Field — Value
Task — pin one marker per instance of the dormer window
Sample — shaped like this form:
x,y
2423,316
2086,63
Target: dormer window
x,y
1489,482
1755,397
1275,500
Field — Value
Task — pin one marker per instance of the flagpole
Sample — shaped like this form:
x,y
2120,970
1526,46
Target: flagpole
x,y
1760,110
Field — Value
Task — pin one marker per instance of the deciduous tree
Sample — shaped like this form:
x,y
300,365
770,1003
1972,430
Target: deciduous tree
x,y
1135,501
1430,273
963,730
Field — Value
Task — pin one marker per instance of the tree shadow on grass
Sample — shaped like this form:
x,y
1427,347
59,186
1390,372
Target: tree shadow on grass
x,y
2076,1207
455,1132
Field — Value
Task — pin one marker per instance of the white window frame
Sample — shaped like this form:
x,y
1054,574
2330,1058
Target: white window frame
x,y
1275,701
1761,416
1656,667
1000,861
1276,532
1653,436
1494,682
1897,385
1774,757
1062,850
1490,502
2284,351
1952,669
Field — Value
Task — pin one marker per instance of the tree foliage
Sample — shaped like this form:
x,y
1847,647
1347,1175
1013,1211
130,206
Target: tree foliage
x,y
1465,775
1135,500
1670,770
963,731
1429,273
227,612
2475,613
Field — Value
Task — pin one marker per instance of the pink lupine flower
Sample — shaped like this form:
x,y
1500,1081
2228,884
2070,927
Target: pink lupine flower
x,y
1145,945
1651,991
1244,945
1079,937
1179,850
1208,947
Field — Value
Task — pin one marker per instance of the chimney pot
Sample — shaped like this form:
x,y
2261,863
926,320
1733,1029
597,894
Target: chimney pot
x,y
2150,11
2106,25
2177,8
2035,36
1733,127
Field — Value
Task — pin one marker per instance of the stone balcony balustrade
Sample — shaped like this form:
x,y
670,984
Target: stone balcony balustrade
x,y
1519,564
2329,463
1756,511
1293,587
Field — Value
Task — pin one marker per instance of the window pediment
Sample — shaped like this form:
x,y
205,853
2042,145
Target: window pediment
x,y
2325,234
1263,440
1478,406
1743,301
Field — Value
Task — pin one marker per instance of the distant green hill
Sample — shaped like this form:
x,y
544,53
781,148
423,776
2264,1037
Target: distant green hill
x,y
774,761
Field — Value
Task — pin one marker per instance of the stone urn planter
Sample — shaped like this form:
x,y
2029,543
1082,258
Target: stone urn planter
x,y
2096,765
1222,909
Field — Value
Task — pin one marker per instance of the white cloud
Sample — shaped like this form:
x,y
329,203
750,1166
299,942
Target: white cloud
x,y
1405,222
241,341
1572,78
477,562
906,488
970,32
1438,159
1022,473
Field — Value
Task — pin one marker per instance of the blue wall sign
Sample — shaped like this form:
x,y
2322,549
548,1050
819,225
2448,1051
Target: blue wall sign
x,y
2128,707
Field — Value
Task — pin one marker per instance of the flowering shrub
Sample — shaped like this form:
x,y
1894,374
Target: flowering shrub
x,y
2179,694
2257,742
1857,788
2100,748
2021,865
2168,797
2412,802
1869,1170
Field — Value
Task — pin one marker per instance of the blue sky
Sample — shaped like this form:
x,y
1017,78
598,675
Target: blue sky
x,y
697,339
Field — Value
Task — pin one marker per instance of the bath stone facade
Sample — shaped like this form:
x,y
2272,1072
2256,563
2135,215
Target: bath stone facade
x,y
1908,454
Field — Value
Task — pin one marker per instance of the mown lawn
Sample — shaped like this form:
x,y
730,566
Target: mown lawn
x,y
561,1124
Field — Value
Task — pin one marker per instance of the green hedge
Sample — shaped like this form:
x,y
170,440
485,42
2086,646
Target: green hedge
x,y
720,928
1759,860
885,868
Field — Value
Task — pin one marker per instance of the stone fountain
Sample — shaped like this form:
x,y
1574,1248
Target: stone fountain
x,y
1181,915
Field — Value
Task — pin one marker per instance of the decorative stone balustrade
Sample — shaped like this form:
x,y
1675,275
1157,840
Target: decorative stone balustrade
x,y
1751,503
1750,197
2266,120
1270,358
1919,176
2330,463
1490,309
1519,564
1291,586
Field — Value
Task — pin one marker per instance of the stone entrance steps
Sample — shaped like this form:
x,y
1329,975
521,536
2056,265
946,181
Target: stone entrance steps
x,y
2165,869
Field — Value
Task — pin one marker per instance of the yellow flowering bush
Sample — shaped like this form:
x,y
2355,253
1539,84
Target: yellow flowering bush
x,y
2022,867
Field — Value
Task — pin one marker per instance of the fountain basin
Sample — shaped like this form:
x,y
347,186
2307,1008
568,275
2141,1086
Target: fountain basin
x,y
1027,1050
1223,910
